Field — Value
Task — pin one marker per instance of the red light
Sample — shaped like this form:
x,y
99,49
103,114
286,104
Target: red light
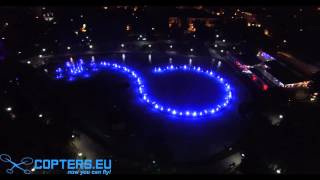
x,y
254,77
265,87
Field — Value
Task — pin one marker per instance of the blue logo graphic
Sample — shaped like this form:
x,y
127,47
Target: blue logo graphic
x,y
24,161
72,166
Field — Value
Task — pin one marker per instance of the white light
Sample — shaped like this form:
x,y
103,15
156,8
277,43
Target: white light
x,y
123,57
40,56
140,36
149,46
278,171
243,155
194,114
153,29
284,41
33,169
217,35
73,136
223,40
3,38
122,45
215,45
28,62
80,154
90,46
40,115
187,113
191,49
43,50
174,112
68,47
280,116
9,109
221,50
144,39
171,46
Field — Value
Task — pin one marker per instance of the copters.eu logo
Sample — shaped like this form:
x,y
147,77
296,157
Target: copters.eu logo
x,y
28,165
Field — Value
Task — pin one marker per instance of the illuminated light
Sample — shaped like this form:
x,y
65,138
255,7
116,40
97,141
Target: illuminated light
x,y
149,45
80,154
40,56
68,48
122,45
191,49
152,28
90,46
212,111
223,40
278,171
215,45
254,78
72,70
9,109
123,57
33,170
40,115
217,35
171,46
174,112
280,116
194,114
249,24
221,51
28,62
265,87
43,50
284,41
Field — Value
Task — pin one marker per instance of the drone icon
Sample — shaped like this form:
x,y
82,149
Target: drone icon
x,y
24,161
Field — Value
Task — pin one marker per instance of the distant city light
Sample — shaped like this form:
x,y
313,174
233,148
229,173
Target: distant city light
x,y
122,45
28,62
9,109
280,116
149,45
278,171
43,50
191,49
90,46
40,115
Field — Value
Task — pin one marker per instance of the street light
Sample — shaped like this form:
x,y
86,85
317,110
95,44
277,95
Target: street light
x,y
9,109
122,45
280,116
191,49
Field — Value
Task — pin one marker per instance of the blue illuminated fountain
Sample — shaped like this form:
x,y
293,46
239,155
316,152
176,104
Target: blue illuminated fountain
x,y
73,70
